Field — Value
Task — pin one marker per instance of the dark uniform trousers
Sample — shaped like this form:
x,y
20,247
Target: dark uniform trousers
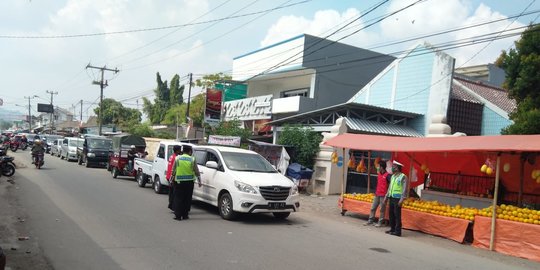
x,y
395,216
183,191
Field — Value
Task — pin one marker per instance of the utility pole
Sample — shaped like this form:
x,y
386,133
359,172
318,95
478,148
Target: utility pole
x,y
52,113
81,113
189,94
30,112
102,85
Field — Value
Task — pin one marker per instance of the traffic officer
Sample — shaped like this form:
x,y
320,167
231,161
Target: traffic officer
x,y
186,172
177,150
396,194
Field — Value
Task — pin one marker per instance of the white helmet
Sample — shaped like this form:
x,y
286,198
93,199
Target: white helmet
x,y
132,147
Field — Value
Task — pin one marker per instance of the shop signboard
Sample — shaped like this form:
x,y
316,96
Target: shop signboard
x,y
212,112
232,91
254,108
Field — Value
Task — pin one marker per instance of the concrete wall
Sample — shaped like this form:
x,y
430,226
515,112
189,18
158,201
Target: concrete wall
x,y
341,70
492,122
418,81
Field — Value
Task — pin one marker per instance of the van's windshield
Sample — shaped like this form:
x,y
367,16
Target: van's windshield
x,y
100,143
247,162
75,143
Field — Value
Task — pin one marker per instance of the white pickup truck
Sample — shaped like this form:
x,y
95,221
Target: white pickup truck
x,y
153,171
242,181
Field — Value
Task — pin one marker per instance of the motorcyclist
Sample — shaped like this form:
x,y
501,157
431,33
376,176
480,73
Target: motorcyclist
x,y
132,154
37,149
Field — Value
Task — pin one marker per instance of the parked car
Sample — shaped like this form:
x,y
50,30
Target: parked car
x,y
56,147
118,161
95,150
68,150
237,180
153,171
49,140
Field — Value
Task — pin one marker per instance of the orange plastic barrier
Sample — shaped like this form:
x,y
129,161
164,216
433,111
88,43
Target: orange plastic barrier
x,y
360,207
447,227
512,238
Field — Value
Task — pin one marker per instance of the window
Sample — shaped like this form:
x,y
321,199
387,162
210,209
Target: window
x,y
200,157
161,151
303,92
247,162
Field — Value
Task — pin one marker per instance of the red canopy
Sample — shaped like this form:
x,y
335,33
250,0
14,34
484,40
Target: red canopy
x,y
501,143
464,154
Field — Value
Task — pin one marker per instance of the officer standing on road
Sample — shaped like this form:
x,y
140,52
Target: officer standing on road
x,y
186,171
397,193
177,150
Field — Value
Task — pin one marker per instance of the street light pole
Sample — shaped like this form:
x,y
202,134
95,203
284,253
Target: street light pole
x,y
52,113
30,113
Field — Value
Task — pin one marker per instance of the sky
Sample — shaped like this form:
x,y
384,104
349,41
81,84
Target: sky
x,y
46,45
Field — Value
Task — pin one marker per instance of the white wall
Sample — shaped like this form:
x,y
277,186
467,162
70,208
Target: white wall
x,y
275,84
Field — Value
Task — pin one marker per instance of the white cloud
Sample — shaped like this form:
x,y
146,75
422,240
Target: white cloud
x,y
324,22
419,20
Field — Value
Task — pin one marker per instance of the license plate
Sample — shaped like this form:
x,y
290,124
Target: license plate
x,y
276,205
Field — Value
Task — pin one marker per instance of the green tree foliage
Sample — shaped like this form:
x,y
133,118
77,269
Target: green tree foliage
x,y
115,113
210,80
165,99
143,130
522,67
5,124
176,92
232,128
304,140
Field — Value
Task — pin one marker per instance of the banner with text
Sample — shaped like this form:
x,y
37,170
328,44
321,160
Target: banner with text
x,y
224,140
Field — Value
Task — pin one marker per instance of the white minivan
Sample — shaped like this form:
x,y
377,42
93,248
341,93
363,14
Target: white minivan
x,y
68,150
242,181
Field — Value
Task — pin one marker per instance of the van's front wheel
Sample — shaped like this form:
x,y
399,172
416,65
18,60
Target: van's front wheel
x,y
225,206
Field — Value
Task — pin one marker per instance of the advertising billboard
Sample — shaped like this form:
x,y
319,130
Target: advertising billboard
x,y
46,108
212,112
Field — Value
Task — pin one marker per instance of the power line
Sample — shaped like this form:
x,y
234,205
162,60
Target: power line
x,y
148,29
483,48
188,37
168,34
282,63
204,43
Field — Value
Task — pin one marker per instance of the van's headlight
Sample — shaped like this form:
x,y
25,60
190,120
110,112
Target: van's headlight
x,y
245,187
91,155
294,190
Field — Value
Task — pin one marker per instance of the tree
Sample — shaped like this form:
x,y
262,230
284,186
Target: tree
x,y
115,113
210,80
162,102
304,140
522,66
176,92
232,128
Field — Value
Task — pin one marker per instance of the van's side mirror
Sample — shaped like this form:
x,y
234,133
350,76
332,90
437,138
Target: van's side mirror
x,y
212,165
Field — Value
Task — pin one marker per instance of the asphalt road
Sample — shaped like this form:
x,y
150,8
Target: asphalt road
x,y
85,219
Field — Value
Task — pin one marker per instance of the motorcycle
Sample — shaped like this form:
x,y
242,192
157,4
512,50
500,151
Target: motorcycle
x,y
23,145
38,160
7,167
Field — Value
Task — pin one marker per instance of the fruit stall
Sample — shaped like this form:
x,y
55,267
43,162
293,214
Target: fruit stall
x,y
487,184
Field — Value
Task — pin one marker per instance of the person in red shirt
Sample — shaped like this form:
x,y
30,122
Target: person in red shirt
x,y
177,150
383,178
